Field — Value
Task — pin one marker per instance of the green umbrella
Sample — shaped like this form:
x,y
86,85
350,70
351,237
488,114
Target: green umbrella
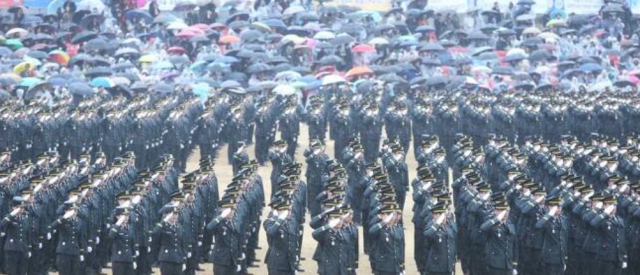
x,y
14,43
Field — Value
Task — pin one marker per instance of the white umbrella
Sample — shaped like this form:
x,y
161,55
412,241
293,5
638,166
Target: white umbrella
x,y
91,5
284,90
332,79
324,35
378,41
293,10
177,25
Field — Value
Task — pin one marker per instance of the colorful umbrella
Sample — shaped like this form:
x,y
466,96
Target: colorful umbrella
x,y
102,82
148,58
228,39
358,71
363,48
59,57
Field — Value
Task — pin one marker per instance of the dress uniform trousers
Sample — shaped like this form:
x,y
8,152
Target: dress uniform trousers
x,y
609,267
17,263
280,272
219,269
497,271
167,268
549,269
69,264
122,268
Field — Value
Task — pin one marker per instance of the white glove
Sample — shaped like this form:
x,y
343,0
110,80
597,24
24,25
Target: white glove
x,y
599,205
275,212
29,255
242,257
239,268
135,266
137,253
108,226
199,243
184,267
333,223
89,249
225,213
539,200
48,236
609,209
148,249
624,265
82,258
501,215
39,245
515,271
283,215
189,255
97,240
440,219
553,210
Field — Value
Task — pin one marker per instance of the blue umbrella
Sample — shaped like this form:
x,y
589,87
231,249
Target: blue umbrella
x,y
30,81
275,23
54,5
58,81
102,82
591,68
140,15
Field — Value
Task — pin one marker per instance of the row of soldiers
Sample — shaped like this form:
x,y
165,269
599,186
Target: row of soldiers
x,y
564,224
144,125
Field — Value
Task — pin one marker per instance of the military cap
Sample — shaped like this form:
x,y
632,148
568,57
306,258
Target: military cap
x,y
439,208
501,205
610,199
18,200
539,191
597,196
372,165
177,195
554,201
228,202
483,187
126,195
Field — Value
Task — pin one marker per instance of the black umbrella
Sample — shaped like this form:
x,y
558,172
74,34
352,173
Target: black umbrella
x,y
258,68
96,44
431,47
352,28
331,60
100,61
122,66
162,88
342,39
131,76
240,16
138,87
251,35
238,24
299,31
539,55
98,72
79,58
81,89
43,37
83,37
38,55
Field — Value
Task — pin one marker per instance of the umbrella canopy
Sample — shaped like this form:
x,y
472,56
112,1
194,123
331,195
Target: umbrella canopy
x,y
102,82
363,48
228,39
83,37
81,89
359,71
332,79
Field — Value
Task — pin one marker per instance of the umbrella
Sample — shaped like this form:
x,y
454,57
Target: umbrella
x,y
275,23
38,55
126,51
10,79
162,88
13,43
258,68
626,81
163,65
379,41
78,58
332,79
540,55
176,50
165,18
342,38
331,60
591,68
432,47
324,35
556,23
83,37
148,58
23,66
284,90
358,71
179,59
81,89
91,5
30,82
122,66
228,39
613,8
239,16
102,82
98,71
250,35
139,15
363,48
177,25
138,87
95,45
293,10
94,17
185,5
531,30
261,26
17,32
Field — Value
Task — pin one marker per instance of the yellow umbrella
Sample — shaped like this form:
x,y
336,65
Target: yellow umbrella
x,y
293,38
556,23
148,58
23,66
548,35
262,26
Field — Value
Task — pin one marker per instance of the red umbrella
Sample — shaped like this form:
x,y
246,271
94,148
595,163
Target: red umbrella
x,y
201,26
363,48
189,32
176,50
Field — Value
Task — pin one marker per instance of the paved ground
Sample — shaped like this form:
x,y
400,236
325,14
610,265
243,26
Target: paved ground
x,y
224,174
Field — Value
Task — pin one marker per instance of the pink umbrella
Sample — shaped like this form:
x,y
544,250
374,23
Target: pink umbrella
x,y
363,48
